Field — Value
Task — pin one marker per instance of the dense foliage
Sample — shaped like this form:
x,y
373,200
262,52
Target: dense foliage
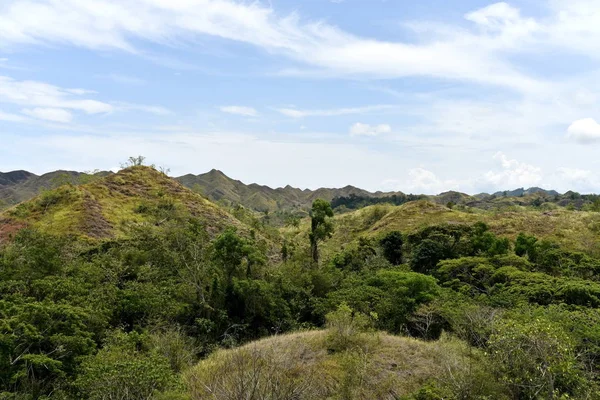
x,y
124,319
353,201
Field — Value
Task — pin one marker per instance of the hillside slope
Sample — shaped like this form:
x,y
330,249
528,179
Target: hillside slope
x,y
219,187
108,206
303,364
19,186
577,230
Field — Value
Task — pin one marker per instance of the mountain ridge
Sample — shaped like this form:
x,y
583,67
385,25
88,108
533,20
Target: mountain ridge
x,y
18,186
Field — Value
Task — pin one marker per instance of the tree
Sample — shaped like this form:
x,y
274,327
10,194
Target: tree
x,y
134,162
429,252
321,225
526,244
232,251
392,247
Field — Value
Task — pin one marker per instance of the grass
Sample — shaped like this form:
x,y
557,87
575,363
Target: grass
x,y
301,366
107,207
575,230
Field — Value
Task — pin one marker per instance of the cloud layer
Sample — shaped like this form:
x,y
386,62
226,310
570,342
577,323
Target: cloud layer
x,y
465,55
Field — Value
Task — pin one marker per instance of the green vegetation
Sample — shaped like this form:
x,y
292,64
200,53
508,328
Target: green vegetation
x,y
354,202
133,287
321,226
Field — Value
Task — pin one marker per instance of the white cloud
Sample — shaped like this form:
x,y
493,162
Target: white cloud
x,y
80,92
585,130
106,24
11,117
291,112
49,114
494,15
240,110
44,95
513,173
52,103
296,113
579,179
360,129
479,52
422,181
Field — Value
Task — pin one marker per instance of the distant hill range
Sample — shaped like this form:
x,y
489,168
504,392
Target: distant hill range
x,y
524,192
220,188
19,186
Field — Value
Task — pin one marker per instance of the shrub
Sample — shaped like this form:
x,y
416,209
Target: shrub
x,y
121,371
346,328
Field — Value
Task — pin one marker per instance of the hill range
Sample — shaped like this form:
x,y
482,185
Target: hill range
x,y
19,186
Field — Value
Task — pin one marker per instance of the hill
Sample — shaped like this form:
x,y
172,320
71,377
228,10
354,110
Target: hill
x,y
116,292
524,192
13,178
220,188
18,186
576,230
109,205
381,366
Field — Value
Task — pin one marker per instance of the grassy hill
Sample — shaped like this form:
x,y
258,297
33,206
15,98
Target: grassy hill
x,y
19,186
108,206
304,366
577,230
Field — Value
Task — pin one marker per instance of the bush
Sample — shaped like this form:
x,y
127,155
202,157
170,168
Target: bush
x,y
535,360
122,371
346,328
256,373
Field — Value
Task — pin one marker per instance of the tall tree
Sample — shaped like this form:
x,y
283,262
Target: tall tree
x,y
392,247
321,225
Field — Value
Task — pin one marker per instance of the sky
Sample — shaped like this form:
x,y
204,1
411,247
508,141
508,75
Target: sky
x,y
416,96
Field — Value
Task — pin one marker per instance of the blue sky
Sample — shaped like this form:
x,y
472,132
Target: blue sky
x,y
382,94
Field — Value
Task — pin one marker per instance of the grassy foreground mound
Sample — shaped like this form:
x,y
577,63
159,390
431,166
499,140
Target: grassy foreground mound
x,y
320,365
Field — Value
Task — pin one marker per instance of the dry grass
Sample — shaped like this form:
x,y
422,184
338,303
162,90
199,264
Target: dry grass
x,y
300,366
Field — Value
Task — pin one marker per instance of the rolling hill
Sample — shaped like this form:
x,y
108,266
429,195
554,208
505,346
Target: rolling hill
x,y
18,186
576,230
219,187
107,206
